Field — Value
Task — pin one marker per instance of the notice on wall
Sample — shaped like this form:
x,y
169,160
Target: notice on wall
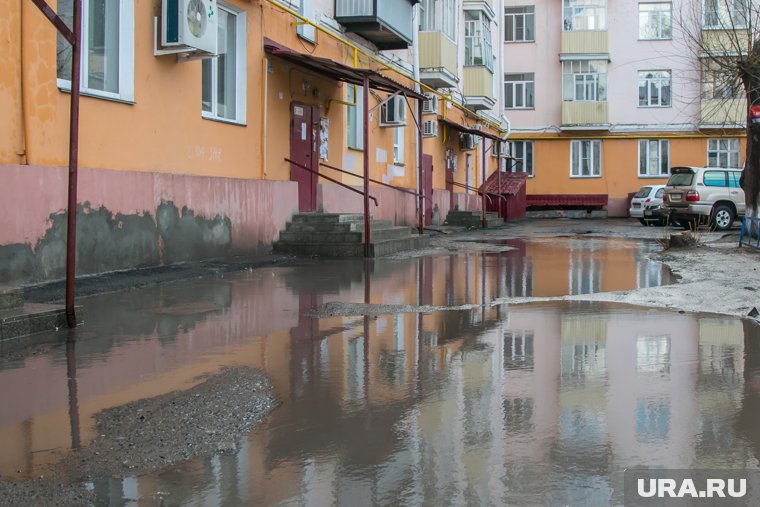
x,y
324,127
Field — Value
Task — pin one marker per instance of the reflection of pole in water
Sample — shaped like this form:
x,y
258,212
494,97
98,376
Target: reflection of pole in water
x,y
367,289
71,373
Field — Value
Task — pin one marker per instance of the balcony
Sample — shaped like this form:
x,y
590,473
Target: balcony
x,y
584,43
385,23
481,5
583,115
724,41
438,60
478,88
723,112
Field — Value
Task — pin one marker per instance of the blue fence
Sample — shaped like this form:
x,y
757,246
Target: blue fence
x,y
750,229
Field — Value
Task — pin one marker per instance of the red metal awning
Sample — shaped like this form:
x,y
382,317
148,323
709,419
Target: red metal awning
x,y
506,184
468,130
338,71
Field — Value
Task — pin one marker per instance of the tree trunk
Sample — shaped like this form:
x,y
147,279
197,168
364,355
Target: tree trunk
x,y
750,74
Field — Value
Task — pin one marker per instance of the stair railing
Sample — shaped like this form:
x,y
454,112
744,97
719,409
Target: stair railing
x,y
400,189
352,189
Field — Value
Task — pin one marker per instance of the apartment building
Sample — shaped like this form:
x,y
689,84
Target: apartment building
x,y
605,96
186,131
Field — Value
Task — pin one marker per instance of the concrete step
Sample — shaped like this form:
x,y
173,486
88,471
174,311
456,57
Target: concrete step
x,y
336,227
474,219
377,248
327,218
32,318
380,234
10,297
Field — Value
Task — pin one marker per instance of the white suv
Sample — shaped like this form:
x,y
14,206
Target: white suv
x,y
704,196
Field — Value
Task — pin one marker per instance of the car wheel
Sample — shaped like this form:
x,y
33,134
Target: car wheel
x,y
722,218
644,222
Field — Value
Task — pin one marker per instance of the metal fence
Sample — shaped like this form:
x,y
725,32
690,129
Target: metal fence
x,y
750,234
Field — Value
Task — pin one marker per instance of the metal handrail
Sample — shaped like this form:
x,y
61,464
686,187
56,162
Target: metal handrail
x,y
467,187
404,190
352,189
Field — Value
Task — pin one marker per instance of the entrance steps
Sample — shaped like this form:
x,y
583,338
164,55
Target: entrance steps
x,y
21,319
342,235
473,219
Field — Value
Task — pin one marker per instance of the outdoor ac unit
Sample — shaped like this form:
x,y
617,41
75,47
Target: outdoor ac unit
x,y
430,106
430,128
393,112
477,126
191,24
467,142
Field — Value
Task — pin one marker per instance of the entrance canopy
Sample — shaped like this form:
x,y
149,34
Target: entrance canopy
x,y
468,130
338,71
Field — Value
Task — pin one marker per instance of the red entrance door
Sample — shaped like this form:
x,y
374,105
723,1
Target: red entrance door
x,y
304,150
427,187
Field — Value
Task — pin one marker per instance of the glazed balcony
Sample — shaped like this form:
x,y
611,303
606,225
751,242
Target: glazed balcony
x,y
386,23
582,114
478,88
723,112
584,43
438,60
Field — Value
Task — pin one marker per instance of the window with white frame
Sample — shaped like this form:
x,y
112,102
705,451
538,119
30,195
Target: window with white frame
x,y
223,78
584,80
519,24
519,91
398,145
108,45
477,40
655,21
586,159
521,153
725,14
718,82
584,15
355,117
723,153
438,16
654,88
654,158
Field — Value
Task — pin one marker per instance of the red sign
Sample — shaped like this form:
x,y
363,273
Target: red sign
x,y
754,115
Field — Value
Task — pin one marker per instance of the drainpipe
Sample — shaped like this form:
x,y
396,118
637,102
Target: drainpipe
x,y
21,151
418,141
483,182
420,201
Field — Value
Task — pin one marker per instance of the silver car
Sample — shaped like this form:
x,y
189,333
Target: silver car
x,y
645,204
704,196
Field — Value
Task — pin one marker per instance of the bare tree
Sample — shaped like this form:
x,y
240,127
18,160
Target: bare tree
x,y
725,37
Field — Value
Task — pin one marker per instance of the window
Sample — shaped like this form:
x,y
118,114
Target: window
x,y
477,40
723,153
522,157
725,14
654,157
654,88
715,179
718,82
435,19
655,21
584,15
519,24
584,80
224,77
585,159
355,118
519,91
108,42
398,145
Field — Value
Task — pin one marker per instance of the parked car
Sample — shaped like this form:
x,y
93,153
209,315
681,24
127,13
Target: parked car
x,y
704,196
645,203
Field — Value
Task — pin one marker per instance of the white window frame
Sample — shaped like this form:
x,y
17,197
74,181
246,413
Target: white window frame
x,y
477,35
723,15
593,147
663,21
724,154
595,10
439,18
399,139
524,163
663,80
522,91
590,74
717,84
520,16
662,147
126,84
240,71
355,118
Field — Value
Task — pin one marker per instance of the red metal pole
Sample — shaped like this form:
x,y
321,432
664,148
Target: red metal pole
x,y
367,232
483,183
71,236
498,176
420,178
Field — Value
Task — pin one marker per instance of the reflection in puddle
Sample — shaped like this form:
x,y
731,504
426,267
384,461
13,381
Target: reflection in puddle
x,y
526,404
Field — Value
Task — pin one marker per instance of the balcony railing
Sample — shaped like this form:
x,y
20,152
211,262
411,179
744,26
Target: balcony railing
x,y
478,88
386,23
584,42
438,60
723,112
585,114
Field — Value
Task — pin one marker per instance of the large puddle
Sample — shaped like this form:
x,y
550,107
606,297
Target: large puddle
x,y
526,404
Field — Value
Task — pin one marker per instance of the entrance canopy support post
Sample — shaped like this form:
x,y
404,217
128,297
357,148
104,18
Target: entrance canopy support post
x,y
367,231
420,179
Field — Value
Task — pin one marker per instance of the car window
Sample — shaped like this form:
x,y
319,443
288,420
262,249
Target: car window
x,y
733,179
659,193
715,179
643,192
680,180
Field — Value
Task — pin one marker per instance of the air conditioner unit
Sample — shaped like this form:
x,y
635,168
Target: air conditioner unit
x,y
467,142
191,24
393,112
430,128
477,126
430,106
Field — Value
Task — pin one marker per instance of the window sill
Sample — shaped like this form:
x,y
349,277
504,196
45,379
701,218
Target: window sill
x,y
655,107
360,150
519,108
218,119
585,177
650,177
95,94
520,41
655,40
723,28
